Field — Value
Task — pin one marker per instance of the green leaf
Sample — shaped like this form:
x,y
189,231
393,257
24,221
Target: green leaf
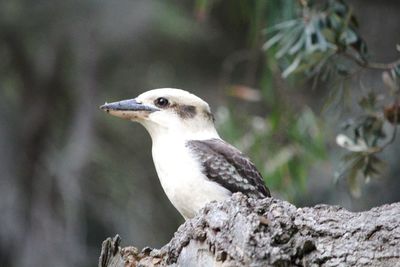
x,y
292,67
301,42
348,37
353,183
368,102
352,174
352,156
288,40
275,39
373,166
282,25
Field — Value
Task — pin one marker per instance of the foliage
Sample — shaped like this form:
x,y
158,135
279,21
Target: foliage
x,y
312,42
323,43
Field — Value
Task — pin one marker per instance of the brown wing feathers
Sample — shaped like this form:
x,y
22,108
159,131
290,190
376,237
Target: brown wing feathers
x,y
224,164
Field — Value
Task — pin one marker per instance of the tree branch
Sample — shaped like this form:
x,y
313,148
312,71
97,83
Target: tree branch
x,y
272,232
371,65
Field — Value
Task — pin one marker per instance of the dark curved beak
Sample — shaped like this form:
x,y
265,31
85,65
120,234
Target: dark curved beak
x,y
128,109
127,105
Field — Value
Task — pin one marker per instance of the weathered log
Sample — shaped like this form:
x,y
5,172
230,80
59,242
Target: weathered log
x,y
271,232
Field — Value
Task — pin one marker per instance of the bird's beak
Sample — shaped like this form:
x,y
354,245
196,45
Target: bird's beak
x,y
128,109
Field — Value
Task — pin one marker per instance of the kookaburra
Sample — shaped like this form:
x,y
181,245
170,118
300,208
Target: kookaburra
x,y
194,165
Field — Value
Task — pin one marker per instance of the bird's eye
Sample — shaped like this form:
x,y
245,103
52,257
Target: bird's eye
x,y
161,102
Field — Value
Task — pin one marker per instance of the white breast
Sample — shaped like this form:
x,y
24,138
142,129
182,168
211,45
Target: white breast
x,y
182,179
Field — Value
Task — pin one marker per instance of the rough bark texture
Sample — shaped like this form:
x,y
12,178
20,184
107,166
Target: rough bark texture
x,y
272,232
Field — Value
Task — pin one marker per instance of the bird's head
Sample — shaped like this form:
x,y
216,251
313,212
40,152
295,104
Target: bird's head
x,y
167,111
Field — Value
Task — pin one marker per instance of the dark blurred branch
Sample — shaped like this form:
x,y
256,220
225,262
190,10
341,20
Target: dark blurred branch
x,y
21,59
271,232
39,97
73,158
371,65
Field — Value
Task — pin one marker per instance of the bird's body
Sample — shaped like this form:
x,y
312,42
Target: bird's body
x,y
182,178
194,165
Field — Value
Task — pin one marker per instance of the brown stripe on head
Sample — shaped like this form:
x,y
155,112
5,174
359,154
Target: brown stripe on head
x,y
208,114
185,111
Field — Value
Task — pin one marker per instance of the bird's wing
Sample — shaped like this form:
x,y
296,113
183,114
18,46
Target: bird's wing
x,y
226,165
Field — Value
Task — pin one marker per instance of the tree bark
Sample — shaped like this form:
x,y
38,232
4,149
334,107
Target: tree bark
x,y
270,232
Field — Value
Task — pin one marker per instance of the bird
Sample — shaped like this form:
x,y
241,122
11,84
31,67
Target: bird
x,y
194,165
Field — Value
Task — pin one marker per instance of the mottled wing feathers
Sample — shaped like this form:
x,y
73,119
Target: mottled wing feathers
x,y
224,164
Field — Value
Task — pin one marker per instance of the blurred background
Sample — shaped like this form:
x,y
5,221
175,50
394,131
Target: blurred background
x,y
71,176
